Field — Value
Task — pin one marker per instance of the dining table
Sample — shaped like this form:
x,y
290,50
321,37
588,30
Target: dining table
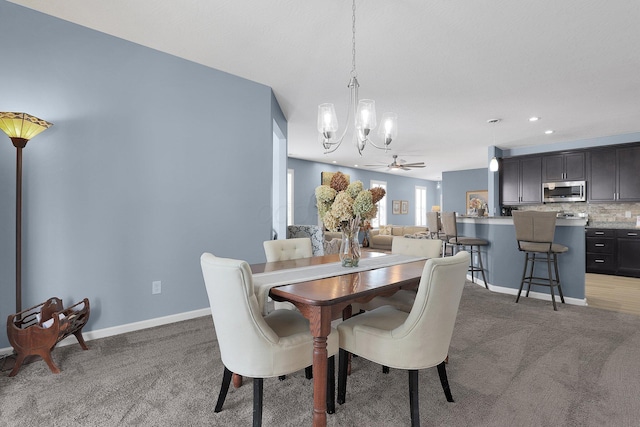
x,y
322,300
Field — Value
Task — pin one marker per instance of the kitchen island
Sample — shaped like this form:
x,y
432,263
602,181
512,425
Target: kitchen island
x,y
504,263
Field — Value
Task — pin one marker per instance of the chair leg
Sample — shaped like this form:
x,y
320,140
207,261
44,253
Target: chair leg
x,y
524,275
331,385
551,282
226,380
343,356
257,402
555,264
533,266
442,372
414,402
484,279
308,372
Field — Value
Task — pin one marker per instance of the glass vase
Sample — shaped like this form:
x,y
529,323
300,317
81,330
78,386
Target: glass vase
x,y
350,247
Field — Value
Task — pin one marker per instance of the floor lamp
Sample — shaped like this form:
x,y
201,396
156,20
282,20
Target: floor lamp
x,y
20,127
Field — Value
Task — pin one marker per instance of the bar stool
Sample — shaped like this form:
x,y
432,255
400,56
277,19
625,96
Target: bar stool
x,y
534,233
450,229
434,224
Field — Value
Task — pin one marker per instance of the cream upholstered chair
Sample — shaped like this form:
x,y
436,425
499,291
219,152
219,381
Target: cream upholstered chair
x,y
416,340
451,231
252,345
534,233
319,245
403,299
282,250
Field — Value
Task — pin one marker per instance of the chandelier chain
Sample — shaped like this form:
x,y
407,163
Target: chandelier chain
x,y
354,73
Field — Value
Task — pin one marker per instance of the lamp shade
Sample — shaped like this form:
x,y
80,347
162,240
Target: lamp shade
x,y
494,165
22,125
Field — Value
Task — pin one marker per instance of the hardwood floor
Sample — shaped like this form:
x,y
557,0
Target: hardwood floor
x,y
613,293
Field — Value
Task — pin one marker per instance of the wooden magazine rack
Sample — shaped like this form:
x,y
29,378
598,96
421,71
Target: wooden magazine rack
x,y
37,330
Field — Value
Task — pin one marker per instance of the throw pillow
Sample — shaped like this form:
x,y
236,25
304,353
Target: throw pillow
x,y
385,230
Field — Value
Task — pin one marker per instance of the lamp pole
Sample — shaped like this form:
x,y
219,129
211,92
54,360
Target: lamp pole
x,y
20,128
19,143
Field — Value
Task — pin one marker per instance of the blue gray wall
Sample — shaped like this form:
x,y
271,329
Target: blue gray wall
x,y
307,178
456,184
137,177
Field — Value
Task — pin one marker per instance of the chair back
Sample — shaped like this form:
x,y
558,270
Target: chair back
x,y
282,250
449,224
428,248
314,232
533,226
427,330
246,341
434,223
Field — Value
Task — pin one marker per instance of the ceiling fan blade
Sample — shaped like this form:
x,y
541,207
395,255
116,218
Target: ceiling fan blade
x,y
414,165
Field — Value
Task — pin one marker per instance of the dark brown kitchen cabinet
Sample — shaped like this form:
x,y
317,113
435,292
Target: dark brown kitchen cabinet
x,y
613,174
601,251
521,180
628,252
611,251
563,167
628,174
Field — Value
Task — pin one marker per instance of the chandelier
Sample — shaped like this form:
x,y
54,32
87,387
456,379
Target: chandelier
x,y
363,110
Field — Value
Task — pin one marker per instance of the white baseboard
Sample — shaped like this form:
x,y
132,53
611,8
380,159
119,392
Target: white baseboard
x,y
532,294
129,327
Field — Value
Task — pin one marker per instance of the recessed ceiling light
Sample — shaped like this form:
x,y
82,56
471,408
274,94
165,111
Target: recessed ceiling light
x,y
355,166
534,119
334,162
548,132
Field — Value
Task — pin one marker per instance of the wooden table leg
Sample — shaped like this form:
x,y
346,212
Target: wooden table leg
x,y
237,380
320,325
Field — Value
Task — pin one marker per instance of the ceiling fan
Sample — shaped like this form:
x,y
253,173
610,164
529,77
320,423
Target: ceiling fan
x,y
399,164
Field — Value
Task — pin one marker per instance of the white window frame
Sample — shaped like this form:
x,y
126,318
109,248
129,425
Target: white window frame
x,y
421,205
290,200
381,218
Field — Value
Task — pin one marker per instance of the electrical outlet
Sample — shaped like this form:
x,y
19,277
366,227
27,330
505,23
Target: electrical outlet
x,y
156,287
627,214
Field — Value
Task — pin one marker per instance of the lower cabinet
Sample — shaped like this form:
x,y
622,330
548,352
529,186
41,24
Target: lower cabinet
x,y
628,250
601,251
611,251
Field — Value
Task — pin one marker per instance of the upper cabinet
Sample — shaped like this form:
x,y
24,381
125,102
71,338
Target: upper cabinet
x,y
521,180
563,167
614,174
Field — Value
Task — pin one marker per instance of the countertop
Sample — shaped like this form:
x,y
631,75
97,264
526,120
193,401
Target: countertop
x,y
614,225
570,221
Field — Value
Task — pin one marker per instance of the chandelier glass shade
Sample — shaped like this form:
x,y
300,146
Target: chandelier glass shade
x,y
361,114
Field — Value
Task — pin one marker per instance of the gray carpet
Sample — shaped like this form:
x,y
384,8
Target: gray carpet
x,y
510,365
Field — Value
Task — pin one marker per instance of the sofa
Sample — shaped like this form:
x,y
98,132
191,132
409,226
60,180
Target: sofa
x,y
381,238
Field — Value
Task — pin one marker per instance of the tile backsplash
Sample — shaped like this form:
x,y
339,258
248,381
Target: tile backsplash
x,y
597,212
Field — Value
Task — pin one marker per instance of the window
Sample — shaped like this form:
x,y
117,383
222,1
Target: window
x,y
289,196
421,205
381,219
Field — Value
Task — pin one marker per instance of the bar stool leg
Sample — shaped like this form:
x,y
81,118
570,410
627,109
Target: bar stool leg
x,y
551,282
482,267
533,264
555,264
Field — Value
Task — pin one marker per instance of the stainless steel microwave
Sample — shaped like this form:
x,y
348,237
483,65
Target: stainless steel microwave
x,y
568,191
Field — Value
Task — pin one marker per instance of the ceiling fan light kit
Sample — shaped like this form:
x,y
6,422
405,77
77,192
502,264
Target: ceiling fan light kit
x,y
363,110
398,164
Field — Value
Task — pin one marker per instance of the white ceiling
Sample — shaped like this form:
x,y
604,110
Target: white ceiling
x,y
445,67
